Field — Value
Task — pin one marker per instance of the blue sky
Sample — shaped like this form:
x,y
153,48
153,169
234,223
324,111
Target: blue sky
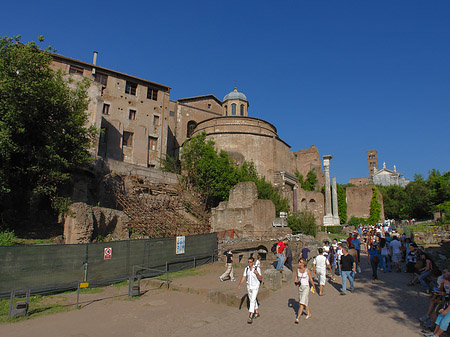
x,y
348,76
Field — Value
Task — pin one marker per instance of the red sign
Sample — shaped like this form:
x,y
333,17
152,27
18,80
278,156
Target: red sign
x,y
108,253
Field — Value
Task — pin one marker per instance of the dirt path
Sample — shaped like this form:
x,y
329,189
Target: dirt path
x,y
386,308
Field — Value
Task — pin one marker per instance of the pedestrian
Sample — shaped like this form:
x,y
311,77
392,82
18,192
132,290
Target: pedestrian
x,y
320,264
254,278
372,256
279,254
258,261
305,252
385,251
229,265
411,259
288,253
302,281
396,253
338,257
348,268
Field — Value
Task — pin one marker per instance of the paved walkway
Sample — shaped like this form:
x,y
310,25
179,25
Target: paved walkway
x,y
386,308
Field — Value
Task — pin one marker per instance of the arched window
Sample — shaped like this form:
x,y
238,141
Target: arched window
x,y
233,109
226,110
242,109
191,125
311,201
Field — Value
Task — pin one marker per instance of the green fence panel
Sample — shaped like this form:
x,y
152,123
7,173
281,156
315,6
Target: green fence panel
x,y
44,268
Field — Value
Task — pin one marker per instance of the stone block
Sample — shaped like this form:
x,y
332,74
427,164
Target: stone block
x,y
272,279
286,275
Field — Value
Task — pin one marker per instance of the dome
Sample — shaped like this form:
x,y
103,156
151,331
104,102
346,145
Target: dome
x,y
235,95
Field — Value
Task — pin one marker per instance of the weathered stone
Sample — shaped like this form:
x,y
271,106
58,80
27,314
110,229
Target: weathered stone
x,y
272,279
246,214
321,237
358,201
85,223
286,275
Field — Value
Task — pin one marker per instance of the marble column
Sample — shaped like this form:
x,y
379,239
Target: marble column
x,y
326,168
336,219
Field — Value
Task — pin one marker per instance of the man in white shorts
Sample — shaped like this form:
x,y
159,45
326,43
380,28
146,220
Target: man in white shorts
x,y
396,252
320,264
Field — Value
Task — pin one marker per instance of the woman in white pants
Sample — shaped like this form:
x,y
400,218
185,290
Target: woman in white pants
x,y
254,277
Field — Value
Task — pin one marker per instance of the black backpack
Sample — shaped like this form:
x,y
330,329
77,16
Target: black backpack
x,y
274,248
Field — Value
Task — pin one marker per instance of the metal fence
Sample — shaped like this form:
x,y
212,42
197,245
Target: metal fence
x,y
47,268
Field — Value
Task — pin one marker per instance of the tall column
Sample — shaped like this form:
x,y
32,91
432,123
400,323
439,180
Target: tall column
x,y
326,167
335,202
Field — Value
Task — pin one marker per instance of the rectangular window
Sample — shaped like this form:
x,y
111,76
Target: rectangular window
x,y
76,70
103,135
101,78
171,113
105,110
152,143
132,115
130,88
152,94
127,138
155,120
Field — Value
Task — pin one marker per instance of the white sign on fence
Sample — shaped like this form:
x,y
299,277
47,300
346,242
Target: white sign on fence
x,y
181,243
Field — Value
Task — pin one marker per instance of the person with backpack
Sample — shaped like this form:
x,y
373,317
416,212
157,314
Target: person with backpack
x,y
320,264
278,251
254,277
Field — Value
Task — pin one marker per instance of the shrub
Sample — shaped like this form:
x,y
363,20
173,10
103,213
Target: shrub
x,y
331,229
302,222
354,221
7,238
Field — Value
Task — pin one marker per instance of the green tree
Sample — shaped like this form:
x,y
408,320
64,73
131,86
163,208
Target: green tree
x,y
418,203
342,203
302,222
213,174
394,201
375,207
42,130
308,184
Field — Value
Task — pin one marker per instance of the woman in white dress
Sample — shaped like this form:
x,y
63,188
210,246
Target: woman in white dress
x,y
302,280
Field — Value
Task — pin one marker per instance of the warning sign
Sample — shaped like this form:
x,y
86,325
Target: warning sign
x,y
108,253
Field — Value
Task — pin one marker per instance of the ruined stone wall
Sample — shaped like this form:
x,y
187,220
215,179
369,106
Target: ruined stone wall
x,y
312,202
244,213
358,201
308,159
360,181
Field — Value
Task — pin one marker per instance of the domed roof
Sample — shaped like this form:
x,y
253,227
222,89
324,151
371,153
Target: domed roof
x,y
235,95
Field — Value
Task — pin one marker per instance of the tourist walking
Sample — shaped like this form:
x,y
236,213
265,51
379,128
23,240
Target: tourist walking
x,y
229,273
305,252
348,268
254,277
372,256
302,280
396,253
320,264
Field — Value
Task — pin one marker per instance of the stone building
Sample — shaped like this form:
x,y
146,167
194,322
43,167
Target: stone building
x,y
386,177
358,201
139,124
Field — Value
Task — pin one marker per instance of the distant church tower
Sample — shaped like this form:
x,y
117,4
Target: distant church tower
x,y
372,161
235,104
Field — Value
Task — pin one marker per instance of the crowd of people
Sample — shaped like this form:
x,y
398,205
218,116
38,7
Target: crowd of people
x,y
387,251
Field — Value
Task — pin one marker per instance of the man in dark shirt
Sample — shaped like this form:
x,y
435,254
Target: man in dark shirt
x,y
305,252
288,252
348,267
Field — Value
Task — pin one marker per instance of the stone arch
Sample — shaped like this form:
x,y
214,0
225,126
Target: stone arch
x,y
191,125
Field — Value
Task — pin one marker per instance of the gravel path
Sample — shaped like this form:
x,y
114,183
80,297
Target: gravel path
x,y
385,308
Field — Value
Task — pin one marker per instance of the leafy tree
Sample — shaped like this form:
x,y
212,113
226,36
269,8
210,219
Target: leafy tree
x,y
42,130
418,202
302,222
308,184
213,174
394,200
375,207
342,203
